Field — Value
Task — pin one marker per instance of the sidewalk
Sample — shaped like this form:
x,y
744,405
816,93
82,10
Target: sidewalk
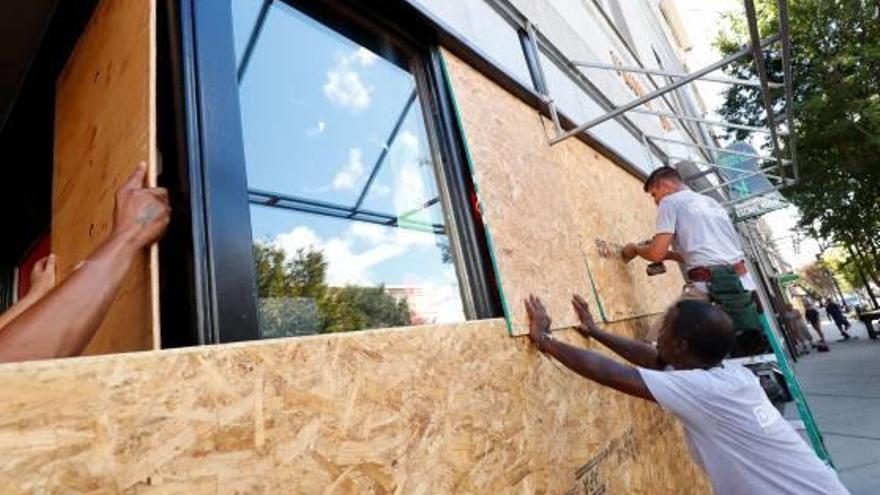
x,y
843,390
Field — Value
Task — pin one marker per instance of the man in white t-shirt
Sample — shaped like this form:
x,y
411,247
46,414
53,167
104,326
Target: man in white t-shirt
x,y
692,229
695,230
733,431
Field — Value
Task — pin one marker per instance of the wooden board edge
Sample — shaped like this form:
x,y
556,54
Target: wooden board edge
x,y
153,173
512,330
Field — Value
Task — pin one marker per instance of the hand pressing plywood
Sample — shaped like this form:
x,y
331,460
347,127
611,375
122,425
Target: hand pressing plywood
x,y
611,209
520,189
625,290
104,126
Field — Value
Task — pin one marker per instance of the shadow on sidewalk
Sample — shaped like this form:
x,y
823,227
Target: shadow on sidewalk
x,y
843,389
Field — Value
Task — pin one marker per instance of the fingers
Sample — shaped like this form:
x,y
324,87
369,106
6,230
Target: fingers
x,y
49,264
156,194
40,264
534,307
136,179
159,193
579,304
539,321
537,306
539,309
45,264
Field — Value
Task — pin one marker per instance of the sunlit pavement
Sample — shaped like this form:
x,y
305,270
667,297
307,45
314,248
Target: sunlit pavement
x,y
843,390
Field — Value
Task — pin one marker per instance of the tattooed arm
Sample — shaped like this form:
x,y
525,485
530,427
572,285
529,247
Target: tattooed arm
x,y
63,322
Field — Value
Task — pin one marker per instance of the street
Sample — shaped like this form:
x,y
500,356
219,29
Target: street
x,y
842,390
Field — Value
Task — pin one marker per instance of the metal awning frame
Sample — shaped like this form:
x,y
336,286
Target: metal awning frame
x,y
783,170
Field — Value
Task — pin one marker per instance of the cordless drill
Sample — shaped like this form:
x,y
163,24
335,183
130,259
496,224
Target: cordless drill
x,y
655,268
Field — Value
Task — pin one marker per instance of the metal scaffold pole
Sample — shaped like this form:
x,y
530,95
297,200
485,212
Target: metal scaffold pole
x,y
777,168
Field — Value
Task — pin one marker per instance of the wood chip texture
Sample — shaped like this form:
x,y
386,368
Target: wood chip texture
x,y
547,208
461,408
425,410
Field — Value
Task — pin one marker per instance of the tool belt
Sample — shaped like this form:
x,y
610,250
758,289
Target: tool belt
x,y
704,273
726,291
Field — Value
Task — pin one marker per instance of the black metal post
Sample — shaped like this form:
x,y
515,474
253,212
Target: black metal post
x,y
216,153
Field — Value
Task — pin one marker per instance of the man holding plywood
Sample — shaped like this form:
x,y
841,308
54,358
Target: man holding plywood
x,y
706,242
62,322
742,442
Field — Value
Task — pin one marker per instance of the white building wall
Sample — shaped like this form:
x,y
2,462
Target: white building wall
x,y
477,22
579,30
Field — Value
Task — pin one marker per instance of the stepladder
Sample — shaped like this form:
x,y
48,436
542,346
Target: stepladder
x,y
794,388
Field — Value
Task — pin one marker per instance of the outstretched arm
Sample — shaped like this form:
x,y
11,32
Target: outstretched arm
x,y
636,352
657,249
589,364
63,322
674,256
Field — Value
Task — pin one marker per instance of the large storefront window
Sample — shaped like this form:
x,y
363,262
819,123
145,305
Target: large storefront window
x,y
349,230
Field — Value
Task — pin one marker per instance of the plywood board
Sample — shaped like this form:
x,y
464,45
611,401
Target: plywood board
x,y
430,409
520,190
104,126
546,208
613,209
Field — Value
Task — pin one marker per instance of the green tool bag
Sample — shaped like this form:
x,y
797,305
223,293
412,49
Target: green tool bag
x,y
726,290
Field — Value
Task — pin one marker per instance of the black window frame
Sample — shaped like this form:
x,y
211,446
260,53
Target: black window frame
x,y
212,145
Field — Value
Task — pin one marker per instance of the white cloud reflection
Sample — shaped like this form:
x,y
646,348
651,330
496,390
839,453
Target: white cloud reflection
x,y
344,86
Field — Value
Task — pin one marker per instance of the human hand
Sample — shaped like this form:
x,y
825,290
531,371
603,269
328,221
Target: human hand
x,y
628,252
539,321
582,309
142,213
42,276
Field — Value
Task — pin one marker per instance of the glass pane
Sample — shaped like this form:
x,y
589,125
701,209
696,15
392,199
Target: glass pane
x,y
246,12
348,229
480,24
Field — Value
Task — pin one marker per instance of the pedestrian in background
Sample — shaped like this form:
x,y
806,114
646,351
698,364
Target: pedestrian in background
x,y
797,329
812,315
836,315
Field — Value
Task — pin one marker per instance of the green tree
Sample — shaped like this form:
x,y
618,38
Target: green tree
x,y
301,276
289,291
816,278
295,299
854,271
835,66
356,308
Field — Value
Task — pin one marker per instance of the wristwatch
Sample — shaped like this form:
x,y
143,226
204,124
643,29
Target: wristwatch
x,y
542,341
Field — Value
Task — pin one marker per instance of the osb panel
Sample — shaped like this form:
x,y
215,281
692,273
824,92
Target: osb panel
x,y
421,410
520,192
105,126
547,207
613,210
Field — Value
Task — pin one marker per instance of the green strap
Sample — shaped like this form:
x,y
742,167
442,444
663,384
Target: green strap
x,y
508,318
595,292
795,388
